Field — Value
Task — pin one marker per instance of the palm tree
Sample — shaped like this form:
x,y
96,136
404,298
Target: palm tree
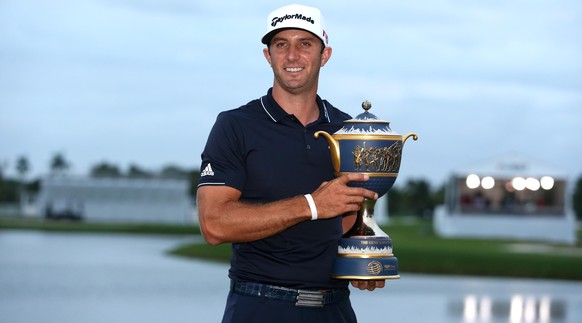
x,y
22,167
59,165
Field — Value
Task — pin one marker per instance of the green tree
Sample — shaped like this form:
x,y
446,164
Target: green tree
x,y
172,171
395,201
577,199
417,197
138,172
194,177
59,164
3,166
8,189
22,167
438,196
105,169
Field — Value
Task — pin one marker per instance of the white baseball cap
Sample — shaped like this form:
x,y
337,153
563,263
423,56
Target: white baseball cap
x,y
296,16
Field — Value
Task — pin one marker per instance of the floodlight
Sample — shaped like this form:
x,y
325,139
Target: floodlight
x,y
532,184
547,182
487,182
473,181
518,183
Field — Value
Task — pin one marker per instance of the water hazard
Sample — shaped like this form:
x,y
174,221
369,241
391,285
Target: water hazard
x,y
71,278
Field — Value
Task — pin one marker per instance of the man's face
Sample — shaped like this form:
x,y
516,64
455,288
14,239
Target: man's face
x,y
296,57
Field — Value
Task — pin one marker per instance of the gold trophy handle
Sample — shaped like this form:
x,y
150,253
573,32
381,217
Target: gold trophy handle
x,y
413,135
333,146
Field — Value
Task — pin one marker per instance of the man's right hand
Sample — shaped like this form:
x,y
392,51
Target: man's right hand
x,y
336,197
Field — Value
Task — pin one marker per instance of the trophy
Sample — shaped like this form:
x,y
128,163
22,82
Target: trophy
x,y
366,145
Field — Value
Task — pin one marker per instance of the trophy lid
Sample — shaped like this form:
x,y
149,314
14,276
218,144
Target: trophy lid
x,y
366,123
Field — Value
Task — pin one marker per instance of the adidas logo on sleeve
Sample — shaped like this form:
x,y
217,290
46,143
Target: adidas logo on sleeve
x,y
207,171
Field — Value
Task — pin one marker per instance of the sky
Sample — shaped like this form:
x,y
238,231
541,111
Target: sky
x,y
141,81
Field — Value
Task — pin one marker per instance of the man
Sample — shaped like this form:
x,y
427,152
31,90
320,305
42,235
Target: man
x,y
267,186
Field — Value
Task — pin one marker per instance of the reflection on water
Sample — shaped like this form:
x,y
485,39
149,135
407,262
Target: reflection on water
x,y
517,309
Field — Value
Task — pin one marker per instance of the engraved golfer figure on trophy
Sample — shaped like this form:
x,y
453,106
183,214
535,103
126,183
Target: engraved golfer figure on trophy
x,y
366,145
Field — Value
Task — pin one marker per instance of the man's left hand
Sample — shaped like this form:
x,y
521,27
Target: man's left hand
x,y
368,284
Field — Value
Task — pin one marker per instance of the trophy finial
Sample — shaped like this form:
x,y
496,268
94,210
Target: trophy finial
x,y
366,105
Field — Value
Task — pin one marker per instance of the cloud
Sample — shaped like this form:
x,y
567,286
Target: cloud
x,y
144,80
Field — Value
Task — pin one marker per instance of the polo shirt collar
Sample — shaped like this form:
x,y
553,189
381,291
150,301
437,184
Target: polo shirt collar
x,y
276,113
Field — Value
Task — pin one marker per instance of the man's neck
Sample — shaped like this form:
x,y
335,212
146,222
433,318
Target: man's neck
x,y
303,105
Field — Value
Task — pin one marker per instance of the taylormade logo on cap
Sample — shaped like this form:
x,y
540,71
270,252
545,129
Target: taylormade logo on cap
x,y
296,17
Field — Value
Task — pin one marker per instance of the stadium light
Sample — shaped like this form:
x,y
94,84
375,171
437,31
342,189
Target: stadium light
x,y
487,182
547,182
518,183
473,181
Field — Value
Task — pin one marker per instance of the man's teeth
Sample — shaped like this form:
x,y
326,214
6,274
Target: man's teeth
x,y
293,69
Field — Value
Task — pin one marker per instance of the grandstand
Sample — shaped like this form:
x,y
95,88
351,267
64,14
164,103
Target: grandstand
x,y
510,198
141,200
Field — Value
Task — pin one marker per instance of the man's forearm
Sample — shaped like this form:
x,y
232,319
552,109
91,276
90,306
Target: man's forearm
x,y
237,221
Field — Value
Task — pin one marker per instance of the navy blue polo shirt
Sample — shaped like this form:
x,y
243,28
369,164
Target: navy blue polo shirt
x,y
268,155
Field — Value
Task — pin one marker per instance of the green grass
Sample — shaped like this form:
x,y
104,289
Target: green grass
x,y
79,226
417,248
220,253
420,251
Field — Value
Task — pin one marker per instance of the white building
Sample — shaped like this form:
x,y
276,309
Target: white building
x,y
509,198
116,199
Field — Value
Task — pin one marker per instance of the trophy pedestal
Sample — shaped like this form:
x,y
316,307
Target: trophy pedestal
x,y
366,258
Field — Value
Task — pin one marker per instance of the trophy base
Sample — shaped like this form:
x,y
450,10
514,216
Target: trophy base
x,y
365,268
365,258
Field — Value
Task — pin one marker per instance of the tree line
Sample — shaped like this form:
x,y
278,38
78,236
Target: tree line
x,y
414,197
11,188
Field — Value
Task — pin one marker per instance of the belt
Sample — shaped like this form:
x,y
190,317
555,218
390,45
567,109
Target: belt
x,y
301,297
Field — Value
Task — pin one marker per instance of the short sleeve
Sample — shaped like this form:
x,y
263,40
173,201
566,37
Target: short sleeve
x,y
223,161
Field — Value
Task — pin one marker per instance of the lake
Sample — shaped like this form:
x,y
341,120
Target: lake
x,y
84,278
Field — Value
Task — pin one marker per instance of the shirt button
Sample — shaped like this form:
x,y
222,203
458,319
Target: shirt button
x,y
308,146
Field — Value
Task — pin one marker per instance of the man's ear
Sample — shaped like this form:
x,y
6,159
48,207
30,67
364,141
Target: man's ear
x,y
267,55
325,55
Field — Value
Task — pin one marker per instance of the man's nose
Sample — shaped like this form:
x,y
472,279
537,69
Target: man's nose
x,y
292,53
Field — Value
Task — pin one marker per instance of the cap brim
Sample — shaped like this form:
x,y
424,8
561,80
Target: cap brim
x,y
268,36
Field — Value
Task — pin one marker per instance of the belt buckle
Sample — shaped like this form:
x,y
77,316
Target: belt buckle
x,y
309,298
